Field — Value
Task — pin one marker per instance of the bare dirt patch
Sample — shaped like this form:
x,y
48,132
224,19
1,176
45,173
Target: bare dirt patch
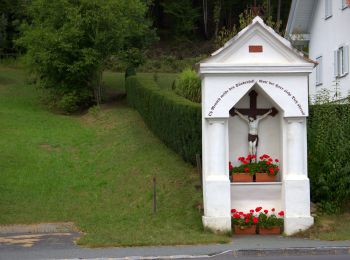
x,y
58,227
50,148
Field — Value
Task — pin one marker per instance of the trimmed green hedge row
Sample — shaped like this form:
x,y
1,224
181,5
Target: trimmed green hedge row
x,y
329,155
174,119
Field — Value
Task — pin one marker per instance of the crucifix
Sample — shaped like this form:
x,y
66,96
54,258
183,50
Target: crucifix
x,y
252,116
256,10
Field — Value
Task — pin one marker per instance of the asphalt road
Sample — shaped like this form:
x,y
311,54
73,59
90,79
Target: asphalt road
x,y
308,257
30,246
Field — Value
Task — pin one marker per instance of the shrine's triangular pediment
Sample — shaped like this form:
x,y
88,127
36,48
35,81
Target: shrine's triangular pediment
x,y
257,45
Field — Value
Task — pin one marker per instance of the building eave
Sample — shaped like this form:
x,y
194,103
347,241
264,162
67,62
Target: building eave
x,y
244,69
308,7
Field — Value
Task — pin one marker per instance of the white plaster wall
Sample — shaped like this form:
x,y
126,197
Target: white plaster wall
x,y
326,36
247,196
289,91
270,55
269,131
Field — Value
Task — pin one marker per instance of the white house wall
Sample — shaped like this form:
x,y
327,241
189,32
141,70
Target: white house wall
x,y
327,35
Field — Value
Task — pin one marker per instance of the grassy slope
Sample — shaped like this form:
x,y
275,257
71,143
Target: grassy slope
x,y
329,227
96,170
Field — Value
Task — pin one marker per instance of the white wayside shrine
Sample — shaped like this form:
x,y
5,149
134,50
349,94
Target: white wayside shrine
x,y
256,71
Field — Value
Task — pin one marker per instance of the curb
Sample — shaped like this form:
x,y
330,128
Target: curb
x,y
294,251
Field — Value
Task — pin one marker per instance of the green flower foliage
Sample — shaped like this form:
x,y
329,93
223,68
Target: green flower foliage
x,y
269,221
188,85
174,119
266,165
328,155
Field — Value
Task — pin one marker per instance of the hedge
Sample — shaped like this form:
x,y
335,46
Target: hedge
x,y
174,119
329,155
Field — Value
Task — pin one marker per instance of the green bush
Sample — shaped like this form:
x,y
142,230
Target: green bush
x,y
188,85
73,52
328,155
174,119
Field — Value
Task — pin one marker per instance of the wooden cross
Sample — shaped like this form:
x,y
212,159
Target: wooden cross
x,y
255,9
253,111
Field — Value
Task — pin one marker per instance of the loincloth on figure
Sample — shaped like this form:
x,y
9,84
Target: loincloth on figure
x,y
253,138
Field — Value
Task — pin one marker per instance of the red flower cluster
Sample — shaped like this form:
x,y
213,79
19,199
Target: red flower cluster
x,y
247,159
258,216
244,218
248,166
273,169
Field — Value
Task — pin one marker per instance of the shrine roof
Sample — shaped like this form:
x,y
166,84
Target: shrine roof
x,y
257,46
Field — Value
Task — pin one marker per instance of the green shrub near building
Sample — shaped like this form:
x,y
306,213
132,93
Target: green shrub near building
x,y
188,85
174,119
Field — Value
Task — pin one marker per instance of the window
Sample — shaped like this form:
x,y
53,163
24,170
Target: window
x,y
328,8
341,61
319,71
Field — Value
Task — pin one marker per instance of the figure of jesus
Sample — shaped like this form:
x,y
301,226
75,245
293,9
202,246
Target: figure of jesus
x,y
253,138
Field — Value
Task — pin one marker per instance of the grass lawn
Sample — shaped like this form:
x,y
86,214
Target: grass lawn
x,y
328,227
94,169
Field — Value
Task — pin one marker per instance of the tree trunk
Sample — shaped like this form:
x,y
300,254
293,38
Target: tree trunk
x,y
205,17
279,11
217,14
98,87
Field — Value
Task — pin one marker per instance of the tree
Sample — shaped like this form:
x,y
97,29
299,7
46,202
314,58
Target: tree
x,y
184,16
12,13
70,41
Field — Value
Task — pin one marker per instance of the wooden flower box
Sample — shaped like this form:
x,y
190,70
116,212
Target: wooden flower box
x,y
241,177
270,231
264,177
245,230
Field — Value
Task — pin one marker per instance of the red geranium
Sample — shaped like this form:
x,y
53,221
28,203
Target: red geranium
x,y
281,213
233,210
258,209
255,220
236,215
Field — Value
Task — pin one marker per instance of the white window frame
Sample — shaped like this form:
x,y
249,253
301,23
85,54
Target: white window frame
x,y
319,76
328,12
341,61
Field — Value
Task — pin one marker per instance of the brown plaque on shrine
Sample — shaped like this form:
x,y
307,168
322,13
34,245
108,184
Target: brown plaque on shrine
x,y
255,48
